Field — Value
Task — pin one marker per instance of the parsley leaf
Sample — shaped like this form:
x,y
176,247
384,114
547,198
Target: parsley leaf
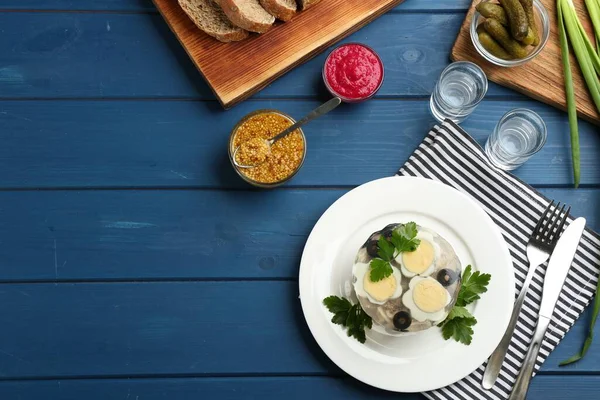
x,y
402,240
350,316
459,329
380,269
386,249
403,243
473,284
340,318
408,230
458,312
458,324
337,304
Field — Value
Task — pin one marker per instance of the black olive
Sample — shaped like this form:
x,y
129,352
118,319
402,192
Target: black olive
x,y
402,320
372,248
447,277
387,231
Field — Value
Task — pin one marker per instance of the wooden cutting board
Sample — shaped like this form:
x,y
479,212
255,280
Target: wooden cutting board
x,y
541,78
235,71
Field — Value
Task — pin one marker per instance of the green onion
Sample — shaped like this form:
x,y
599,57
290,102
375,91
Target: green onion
x,y
571,105
590,49
596,23
589,62
588,58
593,7
584,57
588,340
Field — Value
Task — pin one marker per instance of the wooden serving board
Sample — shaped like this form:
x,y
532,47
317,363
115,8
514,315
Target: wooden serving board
x,y
541,78
235,71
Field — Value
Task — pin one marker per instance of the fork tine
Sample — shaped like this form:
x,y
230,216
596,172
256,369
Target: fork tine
x,y
551,233
547,219
562,223
536,230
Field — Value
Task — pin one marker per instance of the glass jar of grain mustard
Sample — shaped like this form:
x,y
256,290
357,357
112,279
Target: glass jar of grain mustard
x,y
286,157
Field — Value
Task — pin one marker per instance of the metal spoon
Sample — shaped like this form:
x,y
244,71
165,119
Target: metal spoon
x,y
317,112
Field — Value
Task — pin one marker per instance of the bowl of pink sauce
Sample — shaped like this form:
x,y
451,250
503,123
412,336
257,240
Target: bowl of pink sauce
x,y
353,72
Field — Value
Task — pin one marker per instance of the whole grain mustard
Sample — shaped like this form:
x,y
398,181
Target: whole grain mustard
x,y
285,155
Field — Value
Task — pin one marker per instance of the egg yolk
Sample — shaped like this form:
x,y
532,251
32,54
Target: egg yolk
x,y
429,296
380,290
419,260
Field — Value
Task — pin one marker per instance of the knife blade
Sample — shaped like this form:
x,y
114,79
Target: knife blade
x,y
559,265
556,274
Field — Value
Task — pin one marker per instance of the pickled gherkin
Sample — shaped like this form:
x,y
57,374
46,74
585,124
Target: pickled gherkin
x,y
493,47
530,38
492,10
528,8
502,36
517,19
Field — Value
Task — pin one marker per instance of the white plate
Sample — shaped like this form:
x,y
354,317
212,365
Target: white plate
x,y
420,361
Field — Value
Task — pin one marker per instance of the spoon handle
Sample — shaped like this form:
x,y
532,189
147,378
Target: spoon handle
x,y
317,112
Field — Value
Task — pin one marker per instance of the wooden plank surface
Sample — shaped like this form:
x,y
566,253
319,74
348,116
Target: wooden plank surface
x,y
236,71
541,78
290,388
174,234
137,56
183,144
147,262
157,234
176,329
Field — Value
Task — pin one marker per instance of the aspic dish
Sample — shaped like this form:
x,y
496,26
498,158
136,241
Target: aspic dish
x,y
407,278
422,287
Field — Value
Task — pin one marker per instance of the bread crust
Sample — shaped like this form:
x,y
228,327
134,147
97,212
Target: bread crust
x,y
277,10
235,16
234,36
306,4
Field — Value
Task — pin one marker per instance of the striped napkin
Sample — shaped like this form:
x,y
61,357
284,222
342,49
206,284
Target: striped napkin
x,y
449,155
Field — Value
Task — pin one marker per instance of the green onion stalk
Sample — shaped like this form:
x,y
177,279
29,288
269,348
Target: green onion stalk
x,y
571,105
593,7
571,30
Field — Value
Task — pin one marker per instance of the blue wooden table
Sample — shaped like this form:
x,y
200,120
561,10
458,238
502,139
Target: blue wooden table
x,y
135,264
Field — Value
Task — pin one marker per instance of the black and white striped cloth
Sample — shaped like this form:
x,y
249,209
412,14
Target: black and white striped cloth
x,y
448,154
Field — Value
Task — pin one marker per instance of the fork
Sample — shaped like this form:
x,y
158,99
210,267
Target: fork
x,y
541,244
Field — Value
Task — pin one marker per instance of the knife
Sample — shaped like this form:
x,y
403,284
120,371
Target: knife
x,y
556,274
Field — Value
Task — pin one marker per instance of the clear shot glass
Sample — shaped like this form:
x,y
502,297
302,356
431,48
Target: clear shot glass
x,y
519,134
459,90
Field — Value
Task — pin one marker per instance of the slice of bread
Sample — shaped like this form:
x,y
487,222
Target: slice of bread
x,y
280,9
304,4
247,14
211,19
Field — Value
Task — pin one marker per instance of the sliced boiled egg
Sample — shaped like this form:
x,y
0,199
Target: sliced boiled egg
x,y
426,299
421,261
377,292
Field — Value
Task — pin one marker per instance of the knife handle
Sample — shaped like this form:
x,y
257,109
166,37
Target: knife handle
x,y
494,365
522,383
